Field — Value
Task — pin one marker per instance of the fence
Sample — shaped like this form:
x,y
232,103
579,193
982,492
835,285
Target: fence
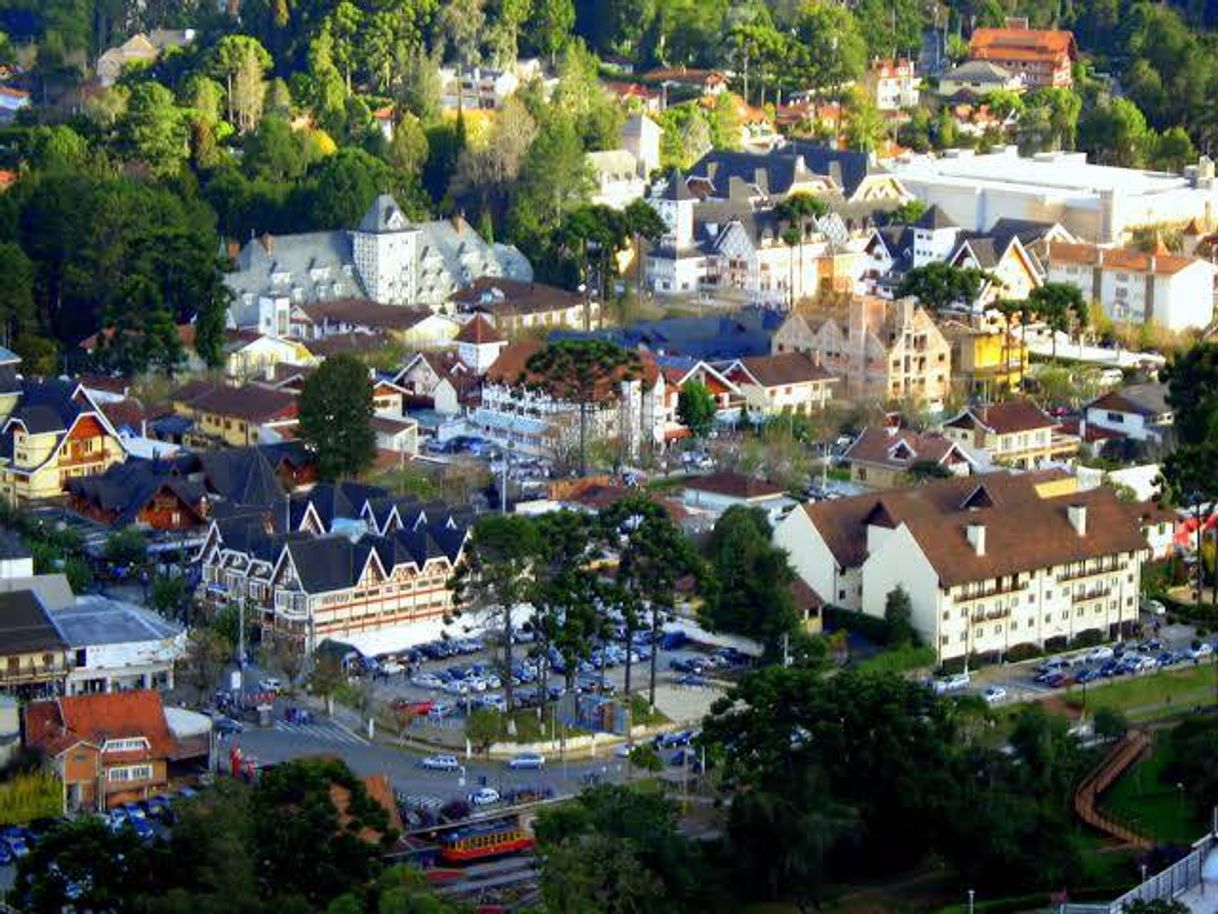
x,y
1172,882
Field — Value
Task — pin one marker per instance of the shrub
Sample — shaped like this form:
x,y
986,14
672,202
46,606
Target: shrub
x,y
1088,638
900,660
1026,651
31,795
873,629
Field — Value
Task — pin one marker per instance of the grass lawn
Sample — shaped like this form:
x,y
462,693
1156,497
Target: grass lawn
x,y
1145,697
1152,804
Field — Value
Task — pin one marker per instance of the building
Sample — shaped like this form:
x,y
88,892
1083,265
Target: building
x,y
34,659
145,493
514,307
719,491
783,383
1136,287
978,78
415,327
894,84
1096,203
107,749
478,344
1042,57
346,562
484,88
881,350
139,50
52,432
386,258
523,411
988,563
714,337
641,138
986,363
250,355
234,416
885,458
438,381
618,178
117,646
1015,433
1136,411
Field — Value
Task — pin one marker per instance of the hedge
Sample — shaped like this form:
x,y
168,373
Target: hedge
x,y
870,627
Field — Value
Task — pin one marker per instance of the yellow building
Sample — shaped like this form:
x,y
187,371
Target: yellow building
x,y
51,432
235,416
985,363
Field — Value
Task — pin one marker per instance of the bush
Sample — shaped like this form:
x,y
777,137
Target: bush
x,y
1088,638
900,660
31,795
873,629
1026,651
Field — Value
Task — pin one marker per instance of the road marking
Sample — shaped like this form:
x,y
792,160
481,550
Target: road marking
x,y
328,732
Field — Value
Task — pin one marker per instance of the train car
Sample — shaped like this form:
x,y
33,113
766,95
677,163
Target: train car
x,y
483,841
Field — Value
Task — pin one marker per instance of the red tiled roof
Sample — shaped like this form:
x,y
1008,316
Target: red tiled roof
x,y
510,369
878,446
479,332
1124,259
784,368
735,485
61,723
1046,45
1005,418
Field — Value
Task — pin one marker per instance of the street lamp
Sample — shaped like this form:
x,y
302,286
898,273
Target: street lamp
x,y
971,895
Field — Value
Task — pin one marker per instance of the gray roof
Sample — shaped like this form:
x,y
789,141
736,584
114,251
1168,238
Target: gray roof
x,y
452,255
95,620
52,589
25,626
318,264
982,71
676,187
384,215
935,218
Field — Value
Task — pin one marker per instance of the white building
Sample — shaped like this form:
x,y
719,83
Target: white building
x,y
988,563
484,88
1137,411
386,258
1161,288
894,84
1098,203
118,647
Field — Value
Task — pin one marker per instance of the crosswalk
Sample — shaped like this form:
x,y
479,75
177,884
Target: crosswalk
x,y
326,731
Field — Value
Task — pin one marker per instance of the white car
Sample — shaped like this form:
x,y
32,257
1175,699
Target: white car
x,y
953,683
1099,653
440,763
270,684
456,687
392,668
484,796
994,694
1155,607
427,681
526,761
1204,649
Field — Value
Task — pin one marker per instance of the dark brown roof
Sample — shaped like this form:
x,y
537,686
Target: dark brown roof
x,y
735,485
514,296
25,626
783,368
510,368
366,313
128,411
1019,415
900,448
389,426
1024,531
478,331
804,596
251,402
356,343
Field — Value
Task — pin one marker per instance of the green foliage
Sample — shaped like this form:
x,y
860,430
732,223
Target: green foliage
x,y
750,580
898,618
1110,723
483,727
696,408
126,547
335,417
940,285
168,595
30,795
1194,764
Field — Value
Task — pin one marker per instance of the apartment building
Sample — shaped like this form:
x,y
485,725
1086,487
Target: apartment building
x,y
1042,57
988,563
1136,287
1015,433
347,561
882,350
894,84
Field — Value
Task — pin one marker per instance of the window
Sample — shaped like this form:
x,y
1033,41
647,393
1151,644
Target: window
x,y
1116,417
841,594
130,773
130,744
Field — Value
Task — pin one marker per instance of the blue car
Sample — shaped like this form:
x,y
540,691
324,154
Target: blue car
x,y
6,855
143,830
1087,676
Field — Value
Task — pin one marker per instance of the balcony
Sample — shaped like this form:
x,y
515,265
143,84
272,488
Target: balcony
x,y
1107,566
1098,593
994,591
990,615
39,672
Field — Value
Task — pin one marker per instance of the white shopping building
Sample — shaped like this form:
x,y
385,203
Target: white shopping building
x,y
1096,203
117,646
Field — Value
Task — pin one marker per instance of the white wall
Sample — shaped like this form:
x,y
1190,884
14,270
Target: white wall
x,y
813,562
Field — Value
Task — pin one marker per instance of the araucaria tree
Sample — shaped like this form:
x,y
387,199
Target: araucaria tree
x,y
335,417
496,578
587,373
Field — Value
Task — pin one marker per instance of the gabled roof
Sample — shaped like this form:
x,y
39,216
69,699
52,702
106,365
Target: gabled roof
x,y
1141,399
364,312
245,476
125,489
384,215
254,403
1049,45
935,218
902,448
735,485
783,369
1005,418
500,295
676,189
59,724
1124,259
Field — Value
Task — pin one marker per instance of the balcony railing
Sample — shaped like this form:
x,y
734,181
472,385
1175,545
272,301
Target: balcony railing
x,y
1107,567
1097,594
38,673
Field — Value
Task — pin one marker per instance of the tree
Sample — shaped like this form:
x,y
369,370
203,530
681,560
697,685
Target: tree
x,y
550,26
460,23
921,471
153,129
799,210
239,62
420,92
335,411
696,408
17,309
1061,306
483,727
554,178
940,285
864,127
645,227
325,89
586,373
408,149
1110,724
1173,150
168,595
126,547
1116,134
750,589
898,618
486,174
828,50
907,213
496,577
275,152
207,651
653,555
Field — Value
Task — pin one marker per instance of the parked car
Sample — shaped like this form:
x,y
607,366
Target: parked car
x,y
440,763
692,681
1096,654
227,726
527,761
1201,651
954,683
392,668
270,684
994,694
1155,607
484,796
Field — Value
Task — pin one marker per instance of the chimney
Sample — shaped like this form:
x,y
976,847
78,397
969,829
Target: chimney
x,y
976,537
1077,515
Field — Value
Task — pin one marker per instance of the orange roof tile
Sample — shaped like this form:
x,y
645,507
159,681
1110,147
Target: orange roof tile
x,y
63,722
1126,259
